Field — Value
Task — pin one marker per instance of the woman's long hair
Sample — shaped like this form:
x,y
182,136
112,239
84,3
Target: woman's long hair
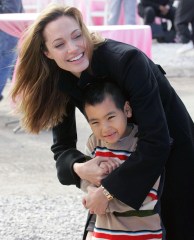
x,y
36,91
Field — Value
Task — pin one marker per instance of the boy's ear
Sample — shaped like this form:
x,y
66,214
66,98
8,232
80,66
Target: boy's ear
x,y
127,109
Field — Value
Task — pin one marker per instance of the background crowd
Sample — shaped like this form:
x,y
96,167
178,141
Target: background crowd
x,y
170,21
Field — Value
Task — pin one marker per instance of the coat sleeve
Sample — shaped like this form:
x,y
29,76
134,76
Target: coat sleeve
x,y
132,181
64,148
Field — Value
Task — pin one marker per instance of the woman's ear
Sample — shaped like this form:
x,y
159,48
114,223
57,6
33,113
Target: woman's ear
x,y
47,54
127,109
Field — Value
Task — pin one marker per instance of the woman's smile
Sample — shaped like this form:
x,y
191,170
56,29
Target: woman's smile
x,y
76,58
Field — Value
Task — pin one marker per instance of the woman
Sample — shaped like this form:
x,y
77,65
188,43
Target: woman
x,y
58,58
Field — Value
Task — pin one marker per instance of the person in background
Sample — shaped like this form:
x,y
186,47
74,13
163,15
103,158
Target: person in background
x,y
58,57
7,43
150,9
183,18
114,11
107,113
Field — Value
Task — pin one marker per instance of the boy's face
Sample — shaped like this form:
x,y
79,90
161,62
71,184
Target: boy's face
x,y
107,122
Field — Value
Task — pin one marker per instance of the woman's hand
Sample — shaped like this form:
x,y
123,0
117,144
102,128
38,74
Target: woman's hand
x,y
95,200
96,169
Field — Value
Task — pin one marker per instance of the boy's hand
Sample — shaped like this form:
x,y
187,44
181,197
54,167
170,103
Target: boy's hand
x,y
110,165
95,200
95,169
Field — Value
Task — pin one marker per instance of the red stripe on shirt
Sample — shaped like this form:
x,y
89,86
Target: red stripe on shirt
x,y
111,154
153,196
125,237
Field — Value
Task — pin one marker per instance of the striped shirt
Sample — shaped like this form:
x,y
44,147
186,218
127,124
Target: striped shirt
x,y
122,222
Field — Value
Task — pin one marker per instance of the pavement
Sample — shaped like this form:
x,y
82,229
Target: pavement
x,y
33,204
175,65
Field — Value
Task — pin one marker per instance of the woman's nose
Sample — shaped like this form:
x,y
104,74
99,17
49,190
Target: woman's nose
x,y
71,46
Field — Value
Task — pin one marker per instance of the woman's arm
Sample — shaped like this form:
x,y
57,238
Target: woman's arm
x,y
138,77
64,148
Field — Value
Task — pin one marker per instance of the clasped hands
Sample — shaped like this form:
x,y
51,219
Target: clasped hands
x,y
94,171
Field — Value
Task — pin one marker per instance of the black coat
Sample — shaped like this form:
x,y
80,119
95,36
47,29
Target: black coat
x,y
160,116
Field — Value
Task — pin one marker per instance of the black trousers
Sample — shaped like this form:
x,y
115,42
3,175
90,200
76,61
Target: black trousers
x,y
149,13
184,16
177,200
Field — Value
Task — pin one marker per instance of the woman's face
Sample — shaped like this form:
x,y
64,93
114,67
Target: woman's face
x,y
66,45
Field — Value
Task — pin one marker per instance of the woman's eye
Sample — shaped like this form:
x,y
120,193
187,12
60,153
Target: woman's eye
x,y
59,45
77,36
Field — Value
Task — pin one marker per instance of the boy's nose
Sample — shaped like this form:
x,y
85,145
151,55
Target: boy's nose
x,y
105,126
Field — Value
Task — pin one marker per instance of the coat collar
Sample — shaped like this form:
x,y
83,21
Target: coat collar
x,y
68,82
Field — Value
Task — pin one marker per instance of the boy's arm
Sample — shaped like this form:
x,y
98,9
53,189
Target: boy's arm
x,y
84,185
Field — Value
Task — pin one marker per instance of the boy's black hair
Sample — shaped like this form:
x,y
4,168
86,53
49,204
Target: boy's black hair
x,y
96,93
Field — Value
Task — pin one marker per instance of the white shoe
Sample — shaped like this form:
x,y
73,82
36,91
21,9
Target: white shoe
x,y
186,47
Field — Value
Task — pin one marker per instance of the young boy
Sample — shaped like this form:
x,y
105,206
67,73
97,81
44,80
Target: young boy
x,y
107,112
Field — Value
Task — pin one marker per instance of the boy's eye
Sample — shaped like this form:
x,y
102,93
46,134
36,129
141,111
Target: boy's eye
x,y
94,123
110,117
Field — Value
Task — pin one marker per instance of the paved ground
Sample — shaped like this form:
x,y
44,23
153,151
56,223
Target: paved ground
x,y
176,65
33,204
